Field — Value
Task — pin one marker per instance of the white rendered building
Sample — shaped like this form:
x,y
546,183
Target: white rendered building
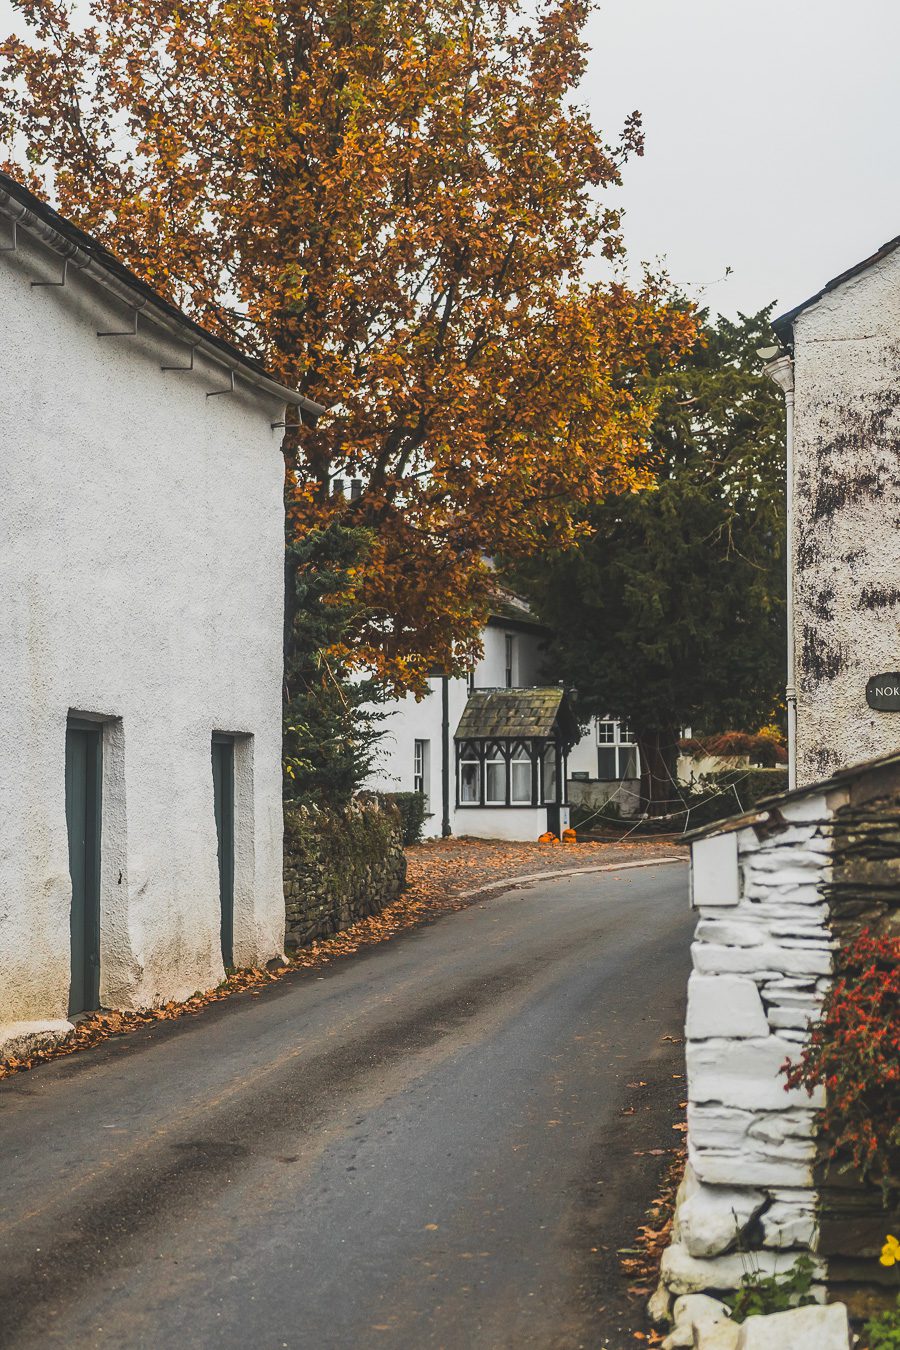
x,y
498,755
141,653
839,376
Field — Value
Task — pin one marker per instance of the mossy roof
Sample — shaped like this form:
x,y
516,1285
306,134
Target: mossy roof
x,y
506,714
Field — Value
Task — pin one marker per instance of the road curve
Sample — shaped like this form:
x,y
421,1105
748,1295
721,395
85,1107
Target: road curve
x,y
439,1142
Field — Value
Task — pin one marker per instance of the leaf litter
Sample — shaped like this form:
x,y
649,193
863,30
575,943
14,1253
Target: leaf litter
x,y
439,872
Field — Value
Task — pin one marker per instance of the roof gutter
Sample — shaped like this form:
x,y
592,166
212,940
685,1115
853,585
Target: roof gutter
x,y
781,370
140,298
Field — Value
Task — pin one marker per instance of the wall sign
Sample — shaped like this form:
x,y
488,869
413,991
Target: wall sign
x,y
883,692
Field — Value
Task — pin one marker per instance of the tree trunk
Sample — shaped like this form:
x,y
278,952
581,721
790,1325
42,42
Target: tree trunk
x,y
659,758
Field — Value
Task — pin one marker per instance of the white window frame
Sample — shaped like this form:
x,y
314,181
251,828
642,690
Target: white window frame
x,y
420,767
476,800
520,754
494,754
510,653
546,799
615,734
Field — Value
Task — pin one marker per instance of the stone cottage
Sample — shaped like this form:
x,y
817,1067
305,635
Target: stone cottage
x,y
777,891
140,659
839,376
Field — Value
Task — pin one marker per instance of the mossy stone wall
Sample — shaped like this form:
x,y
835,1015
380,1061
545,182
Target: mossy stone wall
x,y
339,866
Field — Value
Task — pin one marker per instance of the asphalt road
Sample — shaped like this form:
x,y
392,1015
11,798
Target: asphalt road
x,y
439,1142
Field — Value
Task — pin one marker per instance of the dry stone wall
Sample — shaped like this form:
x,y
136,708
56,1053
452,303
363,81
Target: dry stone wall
x,y
339,867
762,961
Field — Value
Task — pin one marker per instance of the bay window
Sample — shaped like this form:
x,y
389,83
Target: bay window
x,y
495,775
520,776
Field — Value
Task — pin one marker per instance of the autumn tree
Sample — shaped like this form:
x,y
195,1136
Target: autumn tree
x,y
391,203
671,611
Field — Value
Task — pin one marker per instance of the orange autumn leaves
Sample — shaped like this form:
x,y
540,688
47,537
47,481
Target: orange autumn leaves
x,y
392,203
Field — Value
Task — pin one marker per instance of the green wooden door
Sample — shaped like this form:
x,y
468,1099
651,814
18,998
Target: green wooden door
x,y
223,800
83,817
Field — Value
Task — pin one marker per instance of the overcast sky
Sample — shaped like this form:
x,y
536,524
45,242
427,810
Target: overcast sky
x,y
773,137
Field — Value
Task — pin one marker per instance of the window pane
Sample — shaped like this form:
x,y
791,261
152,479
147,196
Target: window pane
x,y
496,781
469,781
550,774
606,732
521,781
606,764
626,735
628,762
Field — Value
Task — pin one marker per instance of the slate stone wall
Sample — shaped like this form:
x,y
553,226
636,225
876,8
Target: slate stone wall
x,y
339,867
762,958
805,878
847,501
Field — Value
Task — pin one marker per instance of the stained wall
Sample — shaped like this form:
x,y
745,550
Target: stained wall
x,y
847,535
141,563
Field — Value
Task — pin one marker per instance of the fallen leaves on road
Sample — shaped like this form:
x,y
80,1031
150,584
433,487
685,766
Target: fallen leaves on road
x,y
438,873
641,1265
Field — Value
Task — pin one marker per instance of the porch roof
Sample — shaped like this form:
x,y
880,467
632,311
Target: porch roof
x,y
517,714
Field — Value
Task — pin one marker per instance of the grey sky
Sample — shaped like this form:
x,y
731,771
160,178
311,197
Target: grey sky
x,y
773,137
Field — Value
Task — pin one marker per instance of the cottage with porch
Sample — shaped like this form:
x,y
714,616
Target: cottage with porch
x,y
498,754
140,661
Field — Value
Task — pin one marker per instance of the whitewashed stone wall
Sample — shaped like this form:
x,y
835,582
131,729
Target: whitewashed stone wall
x,y
847,500
141,566
762,959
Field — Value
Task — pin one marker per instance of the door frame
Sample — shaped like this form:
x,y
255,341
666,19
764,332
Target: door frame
x,y
224,809
89,993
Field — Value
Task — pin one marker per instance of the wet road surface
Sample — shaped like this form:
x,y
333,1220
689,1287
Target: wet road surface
x,y
439,1142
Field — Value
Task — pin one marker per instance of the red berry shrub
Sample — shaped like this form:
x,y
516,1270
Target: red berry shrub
x,y
854,1052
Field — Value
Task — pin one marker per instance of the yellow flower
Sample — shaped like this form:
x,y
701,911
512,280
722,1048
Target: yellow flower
x,y
890,1252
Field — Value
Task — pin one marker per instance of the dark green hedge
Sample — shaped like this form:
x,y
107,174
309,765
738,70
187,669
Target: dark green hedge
x,y
715,796
411,806
718,795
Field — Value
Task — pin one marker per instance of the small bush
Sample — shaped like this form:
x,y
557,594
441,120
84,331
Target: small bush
x,y
719,795
584,815
854,1052
766,748
761,1294
883,1332
411,806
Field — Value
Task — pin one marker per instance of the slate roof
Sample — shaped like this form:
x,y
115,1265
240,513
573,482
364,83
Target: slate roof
x,y
505,714
784,324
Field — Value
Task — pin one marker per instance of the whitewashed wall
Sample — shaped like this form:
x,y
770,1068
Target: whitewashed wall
x,y
762,958
405,722
142,573
847,493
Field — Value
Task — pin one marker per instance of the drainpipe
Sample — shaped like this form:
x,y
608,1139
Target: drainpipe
x,y
445,757
781,370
